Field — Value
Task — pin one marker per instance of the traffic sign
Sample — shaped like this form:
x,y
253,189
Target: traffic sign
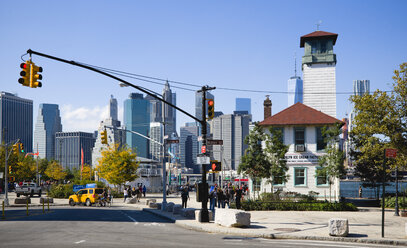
x,y
203,160
214,142
391,153
203,149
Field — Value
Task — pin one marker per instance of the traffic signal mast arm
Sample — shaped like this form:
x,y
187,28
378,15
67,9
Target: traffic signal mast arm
x,y
116,78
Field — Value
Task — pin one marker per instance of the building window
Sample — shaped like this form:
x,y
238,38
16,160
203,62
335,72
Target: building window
x,y
299,135
313,47
322,178
321,143
323,47
300,176
278,180
256,184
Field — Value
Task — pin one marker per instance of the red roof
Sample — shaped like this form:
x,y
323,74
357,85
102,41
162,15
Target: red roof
x,y
318,34
299,114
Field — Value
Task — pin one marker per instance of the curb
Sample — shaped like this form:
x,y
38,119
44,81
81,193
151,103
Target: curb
x,y
235,231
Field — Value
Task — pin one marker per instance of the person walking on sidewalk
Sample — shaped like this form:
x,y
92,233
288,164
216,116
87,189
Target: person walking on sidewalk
x,y
144,190
238,195
125,193
184,197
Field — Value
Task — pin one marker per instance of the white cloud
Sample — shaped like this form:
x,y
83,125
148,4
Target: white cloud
x,y
82,118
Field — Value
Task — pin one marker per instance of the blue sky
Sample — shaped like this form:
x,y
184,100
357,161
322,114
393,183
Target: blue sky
x,y
228,44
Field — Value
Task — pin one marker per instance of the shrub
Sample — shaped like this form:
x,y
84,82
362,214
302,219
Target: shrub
x,y
61,191
250,205
390,202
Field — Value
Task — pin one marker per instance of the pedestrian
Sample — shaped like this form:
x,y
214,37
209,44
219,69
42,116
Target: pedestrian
x,y
360,191
126,194
221,200
212,198
227,197
238,195
144,190
139,192
130,192
184,196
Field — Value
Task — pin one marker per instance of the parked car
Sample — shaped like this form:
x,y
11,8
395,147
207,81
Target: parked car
x,y
28,189
86,196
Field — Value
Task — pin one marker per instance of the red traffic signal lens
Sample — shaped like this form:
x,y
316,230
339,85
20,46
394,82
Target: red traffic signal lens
x,y
23,65
213,167
210,102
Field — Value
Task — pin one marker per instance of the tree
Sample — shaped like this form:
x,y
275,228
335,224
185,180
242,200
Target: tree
x,y
332,163
55,171
380,123
276,150
118,165
254,162
25,169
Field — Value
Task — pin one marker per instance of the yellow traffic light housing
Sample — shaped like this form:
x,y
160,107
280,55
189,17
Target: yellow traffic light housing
x,y
34,76
103,135
10,171
211,109
22,147
25,73
15,149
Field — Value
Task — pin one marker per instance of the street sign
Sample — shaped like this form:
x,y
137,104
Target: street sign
x,y
203,160
172,141
391,153
214,142
203,149
200,138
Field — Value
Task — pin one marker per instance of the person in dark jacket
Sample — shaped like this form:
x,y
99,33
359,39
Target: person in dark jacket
x,y
184,196
238,196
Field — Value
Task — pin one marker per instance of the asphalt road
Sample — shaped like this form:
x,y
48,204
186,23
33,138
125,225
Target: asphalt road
x,y
121,227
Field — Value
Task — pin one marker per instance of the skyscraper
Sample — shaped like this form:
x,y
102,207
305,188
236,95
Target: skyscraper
x,y
115,136
156,112
137,118
169,112
243,104
113,108
188,145
48,123
294,89
360,87
156,133
16,120
198,103
68,147
232,129
319,71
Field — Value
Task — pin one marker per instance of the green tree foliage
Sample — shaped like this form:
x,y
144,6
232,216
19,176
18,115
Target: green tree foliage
x,y
55,171
269,163
380,123
332,163
253,162
118,165
276,150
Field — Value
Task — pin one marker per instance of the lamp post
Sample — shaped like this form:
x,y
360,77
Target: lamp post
x,y
396,207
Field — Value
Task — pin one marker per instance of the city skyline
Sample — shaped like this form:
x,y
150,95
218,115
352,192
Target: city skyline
x,y
185,47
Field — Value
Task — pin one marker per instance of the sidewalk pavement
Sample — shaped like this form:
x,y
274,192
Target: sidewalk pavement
x,y
364,225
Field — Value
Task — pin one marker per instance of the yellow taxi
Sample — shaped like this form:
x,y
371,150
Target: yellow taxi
x,y
87,196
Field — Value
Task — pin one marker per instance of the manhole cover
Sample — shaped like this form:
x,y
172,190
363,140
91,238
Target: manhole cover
x,y
287,229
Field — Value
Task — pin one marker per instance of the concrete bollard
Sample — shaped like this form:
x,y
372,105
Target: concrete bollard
x,y
338,227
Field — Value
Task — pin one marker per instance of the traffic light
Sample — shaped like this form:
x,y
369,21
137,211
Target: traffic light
x,y
34,76
15,149
211,109
104,137
216,166
25,73
22,147
10,170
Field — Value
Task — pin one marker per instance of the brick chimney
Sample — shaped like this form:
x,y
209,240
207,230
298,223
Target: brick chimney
x,y
267,107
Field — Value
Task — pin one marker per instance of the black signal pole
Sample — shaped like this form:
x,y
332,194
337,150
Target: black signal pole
x,y
204,209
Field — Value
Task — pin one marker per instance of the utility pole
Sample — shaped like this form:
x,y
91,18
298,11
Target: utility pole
x,y
204,209
5,169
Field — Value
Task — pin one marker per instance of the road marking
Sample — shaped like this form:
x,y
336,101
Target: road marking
x,y
314,243
81,241
131,218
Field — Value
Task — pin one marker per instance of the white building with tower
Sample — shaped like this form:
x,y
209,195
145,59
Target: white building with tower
x,y
319,71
